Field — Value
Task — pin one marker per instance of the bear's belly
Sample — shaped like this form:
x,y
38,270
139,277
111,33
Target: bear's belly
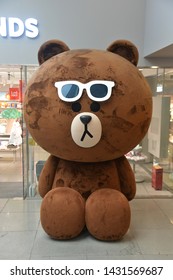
x,y
86,177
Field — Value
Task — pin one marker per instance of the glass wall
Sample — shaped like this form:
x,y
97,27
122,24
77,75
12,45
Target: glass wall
x,y
33,155
158,144
11,172
20,165
158,149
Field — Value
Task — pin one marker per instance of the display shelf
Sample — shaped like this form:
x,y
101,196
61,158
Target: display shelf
x,y
4,138
10,150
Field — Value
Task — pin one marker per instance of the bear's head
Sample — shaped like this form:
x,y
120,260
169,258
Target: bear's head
x,y
88,105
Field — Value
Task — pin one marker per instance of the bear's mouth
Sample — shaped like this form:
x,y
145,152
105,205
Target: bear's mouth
x,y
85,133
86,129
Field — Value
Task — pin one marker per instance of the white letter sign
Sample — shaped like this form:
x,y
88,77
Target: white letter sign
x,y
15,27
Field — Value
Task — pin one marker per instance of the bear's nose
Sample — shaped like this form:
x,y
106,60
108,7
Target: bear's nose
x,y
85,119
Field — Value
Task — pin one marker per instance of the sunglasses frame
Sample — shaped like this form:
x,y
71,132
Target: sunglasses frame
x,y
82,86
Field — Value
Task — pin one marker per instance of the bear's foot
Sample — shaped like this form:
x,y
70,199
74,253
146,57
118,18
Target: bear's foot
x,y
63,213
107,214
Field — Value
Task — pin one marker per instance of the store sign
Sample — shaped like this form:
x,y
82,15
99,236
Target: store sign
x,y
14,27
14,93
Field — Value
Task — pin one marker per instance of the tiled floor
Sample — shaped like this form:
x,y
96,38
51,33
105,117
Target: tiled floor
x,y
150,235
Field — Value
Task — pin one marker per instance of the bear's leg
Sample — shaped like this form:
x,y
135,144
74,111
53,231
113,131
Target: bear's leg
x,y
63,213
107,214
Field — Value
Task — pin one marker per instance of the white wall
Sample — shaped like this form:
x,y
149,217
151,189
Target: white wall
x,y
80,23
88,24
158,25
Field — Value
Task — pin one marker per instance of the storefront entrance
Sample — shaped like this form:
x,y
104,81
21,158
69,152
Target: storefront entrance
x,y
22,161
15,154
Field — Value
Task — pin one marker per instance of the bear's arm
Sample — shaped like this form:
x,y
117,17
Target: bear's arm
x,y
127,178
47,175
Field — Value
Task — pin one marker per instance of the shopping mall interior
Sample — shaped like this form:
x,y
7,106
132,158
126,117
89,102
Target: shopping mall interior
x,y
150,232
24,27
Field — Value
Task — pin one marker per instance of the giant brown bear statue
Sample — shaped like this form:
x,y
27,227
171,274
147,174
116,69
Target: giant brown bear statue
x,y
87,108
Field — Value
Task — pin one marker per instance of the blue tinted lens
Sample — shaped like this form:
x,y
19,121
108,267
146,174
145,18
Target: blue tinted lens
x,y
99,90
70,91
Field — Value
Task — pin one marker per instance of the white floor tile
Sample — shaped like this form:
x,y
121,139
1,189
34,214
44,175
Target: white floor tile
x,y
164,203
143,204
3,201
16,245
143,220
19,221
47,247
20,205
154,241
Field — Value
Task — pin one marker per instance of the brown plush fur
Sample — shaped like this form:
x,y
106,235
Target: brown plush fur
x,y
87,184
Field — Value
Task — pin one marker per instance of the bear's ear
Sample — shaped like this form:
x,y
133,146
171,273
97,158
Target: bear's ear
x,y
51,48
125,49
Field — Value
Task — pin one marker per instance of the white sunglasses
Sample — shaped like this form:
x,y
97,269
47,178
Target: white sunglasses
x,y
98,90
